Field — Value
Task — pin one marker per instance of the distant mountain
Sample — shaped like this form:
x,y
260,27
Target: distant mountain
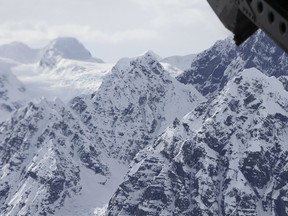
x,y
228,156
19,52
68,159
12,91
67,70
19,67
211,70
152,54
65,48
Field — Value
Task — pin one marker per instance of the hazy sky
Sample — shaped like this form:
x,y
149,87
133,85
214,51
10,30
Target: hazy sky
x,y
112,29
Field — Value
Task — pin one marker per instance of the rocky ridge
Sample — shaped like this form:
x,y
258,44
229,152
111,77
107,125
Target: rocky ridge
x,y
227,157
51,152
212,69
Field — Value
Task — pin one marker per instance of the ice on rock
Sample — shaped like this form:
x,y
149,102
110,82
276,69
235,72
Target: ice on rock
x,y
69,158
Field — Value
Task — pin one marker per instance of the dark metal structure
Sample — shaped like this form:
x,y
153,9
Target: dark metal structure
x,y
244,17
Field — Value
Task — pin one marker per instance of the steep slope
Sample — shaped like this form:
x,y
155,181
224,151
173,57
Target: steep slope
x,y
69,159
19,52
64,48
12,91
43,150
212,69
135,103
227,157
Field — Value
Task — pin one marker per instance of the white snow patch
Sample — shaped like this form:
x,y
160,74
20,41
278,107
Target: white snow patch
x,y
68,79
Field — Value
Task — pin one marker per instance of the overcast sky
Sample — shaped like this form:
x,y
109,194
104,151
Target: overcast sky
x,y
112,29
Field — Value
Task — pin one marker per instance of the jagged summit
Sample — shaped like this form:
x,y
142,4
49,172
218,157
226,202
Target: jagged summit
x,y
151,54
65,159
140,92
145,60
67,48
19,52
146,56
213,68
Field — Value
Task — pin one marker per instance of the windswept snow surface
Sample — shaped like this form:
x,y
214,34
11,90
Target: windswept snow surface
x,y
66,80
63,69
173,71
176,65
181,62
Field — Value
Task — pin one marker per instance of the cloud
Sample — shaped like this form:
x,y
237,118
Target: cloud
x,y
37,33
134,34
113,28
179,13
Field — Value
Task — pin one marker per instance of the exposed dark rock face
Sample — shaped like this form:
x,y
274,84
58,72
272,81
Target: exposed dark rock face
x,y
50,150
231,161
212,69
128,105
228,156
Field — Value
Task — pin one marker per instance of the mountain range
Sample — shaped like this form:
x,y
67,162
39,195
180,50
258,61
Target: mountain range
x,y
59,147
134,140
74,71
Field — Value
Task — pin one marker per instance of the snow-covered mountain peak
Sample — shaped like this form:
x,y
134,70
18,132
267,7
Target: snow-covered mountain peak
x,y
147,63
67,48
73,152
138,93
213,68
225,44
254,91
151,54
